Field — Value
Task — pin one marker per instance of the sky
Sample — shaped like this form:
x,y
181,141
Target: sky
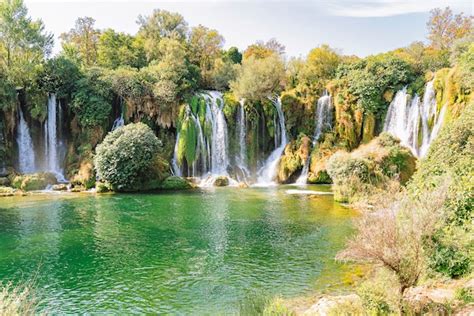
x,y
359,27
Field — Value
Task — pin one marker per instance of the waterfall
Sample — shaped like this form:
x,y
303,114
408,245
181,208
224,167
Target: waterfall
x,y
409,119
26,152
119,121
174,162
52,143
323,122
241,159
269,169
215,116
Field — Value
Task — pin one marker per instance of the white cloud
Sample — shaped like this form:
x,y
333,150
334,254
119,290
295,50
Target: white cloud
x,y
383,8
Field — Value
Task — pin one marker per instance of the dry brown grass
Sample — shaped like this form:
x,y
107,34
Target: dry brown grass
x,y
17,300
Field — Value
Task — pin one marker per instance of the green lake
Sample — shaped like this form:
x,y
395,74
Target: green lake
x,y
202,252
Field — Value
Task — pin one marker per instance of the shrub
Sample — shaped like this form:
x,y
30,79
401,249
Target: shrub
x,y
394,237
378,165
126,157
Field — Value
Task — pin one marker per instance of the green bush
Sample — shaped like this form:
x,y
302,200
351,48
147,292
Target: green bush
x,y
375,165
126,157
450,159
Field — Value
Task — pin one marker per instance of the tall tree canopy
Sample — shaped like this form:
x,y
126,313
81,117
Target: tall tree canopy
x,y
444,27
161,24
24,43
81,42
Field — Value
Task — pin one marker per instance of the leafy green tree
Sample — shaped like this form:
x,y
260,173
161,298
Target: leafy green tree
x,y
81,42
320,66
161,24
261,50
120,49
60,75
233,55
259,78
23,43
444,27
205,47
125,157
92,99
223,72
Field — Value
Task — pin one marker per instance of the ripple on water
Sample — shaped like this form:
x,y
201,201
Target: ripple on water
x,y
181,253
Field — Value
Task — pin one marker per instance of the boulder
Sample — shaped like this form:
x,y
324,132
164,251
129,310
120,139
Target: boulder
x,y
59,187
175,183
35,181
6,191
221,181
4,181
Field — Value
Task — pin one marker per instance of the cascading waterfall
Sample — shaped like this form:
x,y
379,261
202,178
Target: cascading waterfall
x,y
241,159
269,169
211,150
214,113
26,152
119,121
52,143
323,122
408,119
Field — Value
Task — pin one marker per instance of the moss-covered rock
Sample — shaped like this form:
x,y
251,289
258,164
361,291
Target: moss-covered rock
x,y
7,191
175,183
4,181
221,181
35,181
85,176
293,159
59,187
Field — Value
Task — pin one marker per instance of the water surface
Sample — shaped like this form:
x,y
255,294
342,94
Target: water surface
x,y
203,252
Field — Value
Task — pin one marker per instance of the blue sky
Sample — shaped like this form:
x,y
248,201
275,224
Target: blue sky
x,y
362,27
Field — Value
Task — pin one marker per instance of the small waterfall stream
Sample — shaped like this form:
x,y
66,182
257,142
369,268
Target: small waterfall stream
x,y
409,119
215,115
241,159
269,169
26,152
52,142
119,121
323,122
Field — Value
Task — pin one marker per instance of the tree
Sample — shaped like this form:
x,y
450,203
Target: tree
x,y
263,50
320,66
444,27
81,42
233,55
205,47
125,158
259,78
23,42
120,49
161,24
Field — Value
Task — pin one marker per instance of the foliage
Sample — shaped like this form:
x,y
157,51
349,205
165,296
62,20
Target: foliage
x,y
394,236
222,74
374,165
92,99
161,24
60,75
370,78
259,78
379,293
444,27
126,155
119,49
261,50
81,42
450,157
24,44
233,55
319,67
205,47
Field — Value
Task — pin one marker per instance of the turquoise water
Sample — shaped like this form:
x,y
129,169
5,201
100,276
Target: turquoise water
x,y
202,252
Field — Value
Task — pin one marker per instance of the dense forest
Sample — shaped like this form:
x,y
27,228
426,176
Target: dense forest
x,y
168,107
